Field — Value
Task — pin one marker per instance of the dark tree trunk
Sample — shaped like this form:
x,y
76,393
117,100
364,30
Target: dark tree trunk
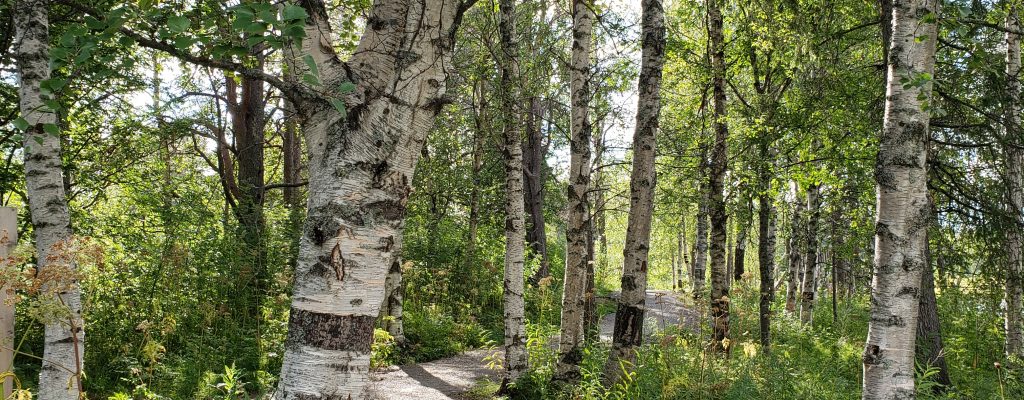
x,y
930,350
534,151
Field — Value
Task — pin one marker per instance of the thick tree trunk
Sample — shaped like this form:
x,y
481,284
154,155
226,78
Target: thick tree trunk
x,y
793,249
1015,189
360,165
570,345
902,208
629,314
719,165
534,151
515,314
64,342
809,288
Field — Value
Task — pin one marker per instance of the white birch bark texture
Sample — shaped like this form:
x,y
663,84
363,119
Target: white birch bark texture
x,y
60,377
808,287
360,169
794,244
719,164
1015,188
515,224
903,215
570,344
629,314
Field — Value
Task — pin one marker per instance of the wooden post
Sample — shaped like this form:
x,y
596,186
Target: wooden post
x,y
8,240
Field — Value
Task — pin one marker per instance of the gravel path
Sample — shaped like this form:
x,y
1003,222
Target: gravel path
x,y
451,378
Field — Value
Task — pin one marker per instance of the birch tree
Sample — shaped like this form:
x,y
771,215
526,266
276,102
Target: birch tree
x,y
719,165
570,345
1015,188
515,318
64,340
810,261
902,211
629,314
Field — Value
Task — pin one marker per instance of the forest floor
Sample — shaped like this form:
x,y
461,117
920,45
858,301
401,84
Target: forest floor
x,y
453,378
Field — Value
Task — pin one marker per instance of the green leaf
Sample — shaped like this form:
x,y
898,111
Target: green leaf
x,y
51,129
21,124
310,79
308,59
38,139
94,23
183,42
340,106
293,12
254,40
178,24
347,87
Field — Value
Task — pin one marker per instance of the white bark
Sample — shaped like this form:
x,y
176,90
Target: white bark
x,y
1015,188
393,292
360,170
44,181
809,286
570,345
719,165
629,316
903,215
515,229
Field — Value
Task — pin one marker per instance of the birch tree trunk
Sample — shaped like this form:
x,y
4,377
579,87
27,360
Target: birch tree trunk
x,y
719,165
700,240
684,264
570,344
809,287
360,165
903,214
515,314
534,151
394,290
793,249
629,314
1015,188
740,255
64,342
765,250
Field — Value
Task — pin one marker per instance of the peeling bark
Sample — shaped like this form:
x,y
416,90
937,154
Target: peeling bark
x,y
360,170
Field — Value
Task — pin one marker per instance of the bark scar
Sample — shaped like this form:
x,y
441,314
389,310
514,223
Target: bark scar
x,y
338,262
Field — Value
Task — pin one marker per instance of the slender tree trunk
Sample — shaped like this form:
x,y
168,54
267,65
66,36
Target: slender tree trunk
x,y
1015,188
809,288
719,165
292,160
394,290
684,264
64,341
741,253
902,210
515,314
765,250
700,241
793,249
596,234
629,315
479,135
534,151
570,345
360,170
930,350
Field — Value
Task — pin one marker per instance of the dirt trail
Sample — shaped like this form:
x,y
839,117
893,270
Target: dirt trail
x,y
450,378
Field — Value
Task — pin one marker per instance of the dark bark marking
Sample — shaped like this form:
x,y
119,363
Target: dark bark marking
x,y
330,331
